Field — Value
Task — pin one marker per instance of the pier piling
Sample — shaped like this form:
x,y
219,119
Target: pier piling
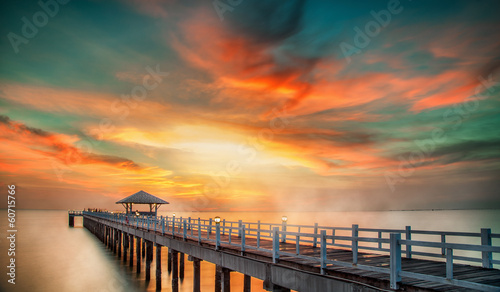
x,y
247,283
125,247
138,251
119,244
226,280
169,260
218,278
149,259
158,267
196,275
181,266
131,240
175,272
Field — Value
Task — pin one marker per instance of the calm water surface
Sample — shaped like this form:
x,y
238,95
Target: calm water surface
x,y
50,256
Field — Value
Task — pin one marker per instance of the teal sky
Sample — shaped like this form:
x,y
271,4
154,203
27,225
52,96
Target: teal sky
x,y
303,105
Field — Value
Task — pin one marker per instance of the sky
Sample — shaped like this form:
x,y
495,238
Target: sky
x,y
251,105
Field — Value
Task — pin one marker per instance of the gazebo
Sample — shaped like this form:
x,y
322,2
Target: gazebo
x,y
141,197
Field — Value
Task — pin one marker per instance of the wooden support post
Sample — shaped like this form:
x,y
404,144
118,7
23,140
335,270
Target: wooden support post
x,y
119,244
196,275
149,259
226,280
158,267
199,231
408,246
315,239
258,234
243,243
175,271
218,278
395,260
131,243
71,221
143,248
449,263
283,228
323,252
239,228
113,240
125,246
276,245
169,260
443,241
354,245
486,255
217,237
138,253
247,283
181,266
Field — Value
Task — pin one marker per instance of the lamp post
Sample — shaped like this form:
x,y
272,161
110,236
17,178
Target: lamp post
x,y
173,223
217,232
283,227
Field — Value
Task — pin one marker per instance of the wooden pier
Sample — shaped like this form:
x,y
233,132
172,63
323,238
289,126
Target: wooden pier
x,y
71,217
306,258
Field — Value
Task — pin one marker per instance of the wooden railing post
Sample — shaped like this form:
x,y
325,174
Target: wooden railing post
x,y
239,228
210,226
258,234
323,252
408,246
243,239
283,228
162,225
223,226
217,237
443,241
199,231
315,239
354,245
297,244
189,222
276,245
184,230
333,236
486,240
449,263
395,259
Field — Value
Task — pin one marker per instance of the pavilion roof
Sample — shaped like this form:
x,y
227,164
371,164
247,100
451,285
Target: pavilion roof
x,y
141,197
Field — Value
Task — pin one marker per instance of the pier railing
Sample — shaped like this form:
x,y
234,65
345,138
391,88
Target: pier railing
x,y
448,246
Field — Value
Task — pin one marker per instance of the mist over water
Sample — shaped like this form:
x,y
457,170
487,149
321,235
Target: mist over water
x,y
50,256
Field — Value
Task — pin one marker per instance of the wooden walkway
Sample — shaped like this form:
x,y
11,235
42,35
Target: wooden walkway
x,y
428,267
339,260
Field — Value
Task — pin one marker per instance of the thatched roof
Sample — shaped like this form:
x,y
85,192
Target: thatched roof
x,y
141,197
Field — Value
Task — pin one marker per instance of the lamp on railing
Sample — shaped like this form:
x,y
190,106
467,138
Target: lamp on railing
x,y
283,227
217,220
